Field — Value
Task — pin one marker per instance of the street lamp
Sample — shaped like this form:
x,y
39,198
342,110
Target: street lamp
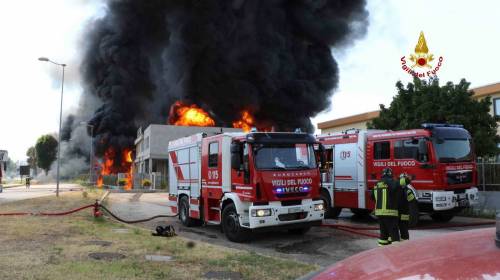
x,y
91,148
44,59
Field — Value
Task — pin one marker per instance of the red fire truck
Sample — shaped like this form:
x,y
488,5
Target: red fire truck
x,y
246,182
438,157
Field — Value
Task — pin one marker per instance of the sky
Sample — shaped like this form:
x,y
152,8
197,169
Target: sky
x,y
465,33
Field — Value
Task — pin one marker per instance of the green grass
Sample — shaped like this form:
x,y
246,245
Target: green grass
x,y
35,247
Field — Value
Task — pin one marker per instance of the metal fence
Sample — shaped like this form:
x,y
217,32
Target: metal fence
x,y
156,179
140,181
488,173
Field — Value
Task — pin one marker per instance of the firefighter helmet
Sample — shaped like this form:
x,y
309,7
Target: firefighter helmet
x,y
387,172
406,177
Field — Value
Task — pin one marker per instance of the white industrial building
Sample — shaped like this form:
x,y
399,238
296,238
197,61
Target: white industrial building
x,y
151,158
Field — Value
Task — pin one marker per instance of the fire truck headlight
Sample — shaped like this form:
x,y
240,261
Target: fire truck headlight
x,y
319,207
261,213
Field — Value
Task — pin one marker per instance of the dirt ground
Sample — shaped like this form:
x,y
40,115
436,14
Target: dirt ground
x,y
80,247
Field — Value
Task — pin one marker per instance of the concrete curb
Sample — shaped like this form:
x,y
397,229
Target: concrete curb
x,y
12,186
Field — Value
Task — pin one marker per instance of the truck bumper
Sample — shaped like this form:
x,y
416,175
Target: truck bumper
x,y
301,215
447,200
287,226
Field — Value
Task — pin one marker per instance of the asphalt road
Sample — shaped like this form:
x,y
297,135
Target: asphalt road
x,y
20,193
322,245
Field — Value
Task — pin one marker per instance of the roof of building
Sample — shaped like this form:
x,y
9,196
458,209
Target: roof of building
x,y
177,131
478,93
349,120
486,90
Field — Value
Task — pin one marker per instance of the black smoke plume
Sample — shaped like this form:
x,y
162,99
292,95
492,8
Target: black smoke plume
x,y
270,57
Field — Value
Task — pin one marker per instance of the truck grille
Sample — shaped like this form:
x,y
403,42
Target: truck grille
x,y
292,216
459,177
291,202
287,195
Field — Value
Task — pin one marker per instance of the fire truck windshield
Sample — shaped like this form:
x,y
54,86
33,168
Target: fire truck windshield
x,y
452,150
284,157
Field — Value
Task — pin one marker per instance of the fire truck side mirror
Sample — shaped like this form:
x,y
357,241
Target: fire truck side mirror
x,y
422,146
236,156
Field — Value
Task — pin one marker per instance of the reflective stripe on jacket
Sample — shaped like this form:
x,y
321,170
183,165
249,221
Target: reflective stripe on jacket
x,y
386,198
406,196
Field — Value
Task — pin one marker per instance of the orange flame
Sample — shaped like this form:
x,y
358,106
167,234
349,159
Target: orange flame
x,y
127,164
128,156
189,115
108,166
246,122
192,115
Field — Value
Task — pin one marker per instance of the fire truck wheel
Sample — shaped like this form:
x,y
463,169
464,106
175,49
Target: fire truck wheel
x,y
361,212
231,225
327,204
442,217
299,231
184,213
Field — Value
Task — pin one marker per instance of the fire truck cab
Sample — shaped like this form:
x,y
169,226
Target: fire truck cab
x,y
438,157
246,182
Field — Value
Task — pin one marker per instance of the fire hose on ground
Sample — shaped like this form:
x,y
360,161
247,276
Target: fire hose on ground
x,y
96,212
135,221
361,230
53,214
355,230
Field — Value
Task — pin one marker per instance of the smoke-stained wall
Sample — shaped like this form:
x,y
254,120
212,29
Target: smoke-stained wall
x,y
270,57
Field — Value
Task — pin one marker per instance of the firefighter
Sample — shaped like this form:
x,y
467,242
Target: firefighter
x,y
405,198
28,181
278,162
386,196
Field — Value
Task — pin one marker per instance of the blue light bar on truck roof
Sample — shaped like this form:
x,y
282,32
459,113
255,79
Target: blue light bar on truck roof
x,y
433,125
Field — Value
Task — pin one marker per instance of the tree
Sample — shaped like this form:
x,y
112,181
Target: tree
x,y
11,167
427,101
31,154
46,151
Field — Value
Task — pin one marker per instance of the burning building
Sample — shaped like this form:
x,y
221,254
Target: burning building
x,y
228,63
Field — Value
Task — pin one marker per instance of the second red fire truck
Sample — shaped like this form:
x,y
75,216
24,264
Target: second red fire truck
x,y
246,182
438,157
